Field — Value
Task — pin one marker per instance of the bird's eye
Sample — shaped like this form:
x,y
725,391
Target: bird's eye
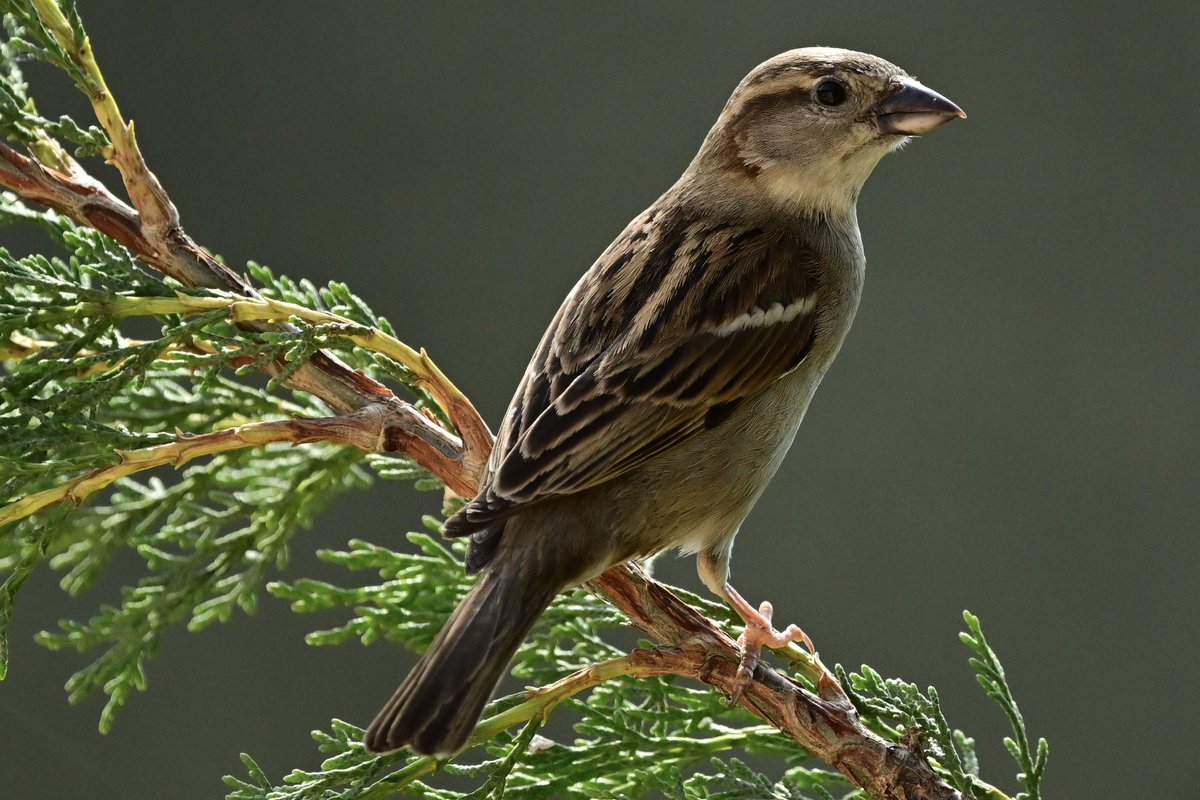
x,y
830,93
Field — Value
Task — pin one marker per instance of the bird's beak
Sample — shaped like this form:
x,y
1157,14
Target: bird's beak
x,y
914,109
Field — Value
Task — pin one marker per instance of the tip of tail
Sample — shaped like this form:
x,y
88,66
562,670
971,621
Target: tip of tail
x,y
438,705
429,713
383,738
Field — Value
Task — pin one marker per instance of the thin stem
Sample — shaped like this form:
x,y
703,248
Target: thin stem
x,y
361,430
144,189
265,309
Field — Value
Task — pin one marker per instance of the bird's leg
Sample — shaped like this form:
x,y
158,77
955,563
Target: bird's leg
x,y
758,633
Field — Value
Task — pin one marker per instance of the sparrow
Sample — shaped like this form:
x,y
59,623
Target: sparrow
x,y
671,382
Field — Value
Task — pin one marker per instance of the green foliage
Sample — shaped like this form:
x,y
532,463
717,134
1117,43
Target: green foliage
x,y
990,674
734,780
29,37
899,710
87,373
207,541
81,391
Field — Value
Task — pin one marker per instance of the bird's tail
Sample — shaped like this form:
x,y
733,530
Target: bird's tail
x,y
436,708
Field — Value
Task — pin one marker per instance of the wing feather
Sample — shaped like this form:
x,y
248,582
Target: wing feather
x,y
644,354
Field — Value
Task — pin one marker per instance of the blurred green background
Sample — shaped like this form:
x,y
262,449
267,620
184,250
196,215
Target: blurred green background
x,y
1011,427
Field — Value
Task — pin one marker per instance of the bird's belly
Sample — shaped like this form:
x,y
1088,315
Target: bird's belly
x,y
697,494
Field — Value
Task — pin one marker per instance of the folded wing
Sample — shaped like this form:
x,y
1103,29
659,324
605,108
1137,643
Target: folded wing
x,y
679,322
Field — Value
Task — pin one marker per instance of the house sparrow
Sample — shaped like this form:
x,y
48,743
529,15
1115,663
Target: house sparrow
x,y
670,384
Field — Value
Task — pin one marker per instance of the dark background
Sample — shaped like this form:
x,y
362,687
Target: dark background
x,y
1011,427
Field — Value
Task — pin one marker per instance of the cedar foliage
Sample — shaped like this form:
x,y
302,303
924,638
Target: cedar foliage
x,y
80,397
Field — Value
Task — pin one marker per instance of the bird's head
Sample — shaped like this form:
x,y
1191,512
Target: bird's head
x,y
807,127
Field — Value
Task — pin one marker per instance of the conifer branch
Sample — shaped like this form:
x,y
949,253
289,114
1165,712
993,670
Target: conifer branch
x,y
153,232
363,429
822,720
325,376
848,721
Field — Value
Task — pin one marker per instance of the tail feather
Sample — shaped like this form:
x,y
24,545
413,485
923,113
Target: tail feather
x,y
484,536
436,708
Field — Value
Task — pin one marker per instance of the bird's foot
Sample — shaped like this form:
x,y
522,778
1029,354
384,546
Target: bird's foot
x,y
760,633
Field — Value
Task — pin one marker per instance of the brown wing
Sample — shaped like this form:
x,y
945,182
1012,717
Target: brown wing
x,y
641,355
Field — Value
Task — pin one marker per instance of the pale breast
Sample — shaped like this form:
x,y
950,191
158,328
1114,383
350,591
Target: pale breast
x,y
696,495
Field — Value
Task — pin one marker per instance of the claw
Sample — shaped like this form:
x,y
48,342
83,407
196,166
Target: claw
x,y
759,633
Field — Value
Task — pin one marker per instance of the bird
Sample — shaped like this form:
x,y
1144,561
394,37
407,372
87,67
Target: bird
x,y
666,390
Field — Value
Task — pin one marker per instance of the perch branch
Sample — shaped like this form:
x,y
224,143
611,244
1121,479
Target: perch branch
x,y
825,724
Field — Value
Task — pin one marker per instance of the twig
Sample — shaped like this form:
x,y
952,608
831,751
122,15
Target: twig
x,y
363,429
385,427
265,309
149,198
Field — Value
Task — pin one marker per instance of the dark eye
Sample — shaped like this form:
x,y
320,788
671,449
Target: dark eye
x,y
830,93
